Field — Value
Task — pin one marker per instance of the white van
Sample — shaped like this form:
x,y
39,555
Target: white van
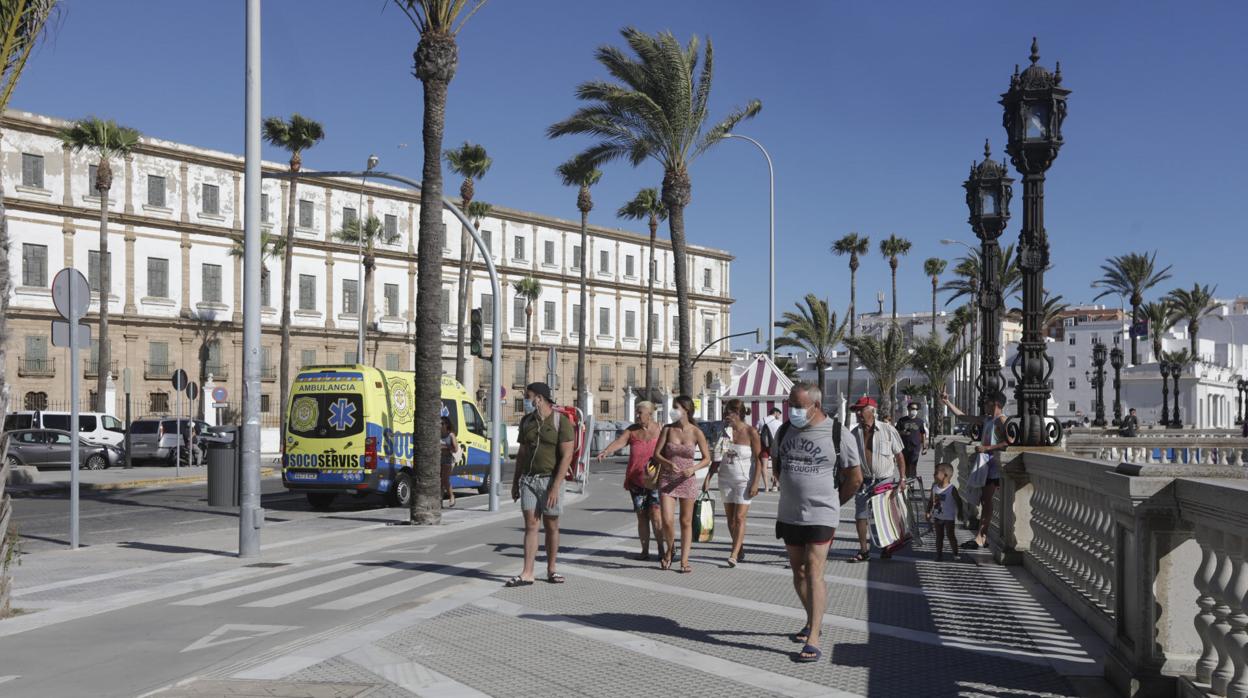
x,y
94,427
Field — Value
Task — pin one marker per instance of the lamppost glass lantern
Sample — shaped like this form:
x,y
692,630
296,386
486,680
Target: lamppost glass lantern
x,y
988,194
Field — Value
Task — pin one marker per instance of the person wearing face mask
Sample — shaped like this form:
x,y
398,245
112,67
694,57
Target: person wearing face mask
x,y
816,461
913,432
740,476
882,462
542,463
641,438
994,438
679,444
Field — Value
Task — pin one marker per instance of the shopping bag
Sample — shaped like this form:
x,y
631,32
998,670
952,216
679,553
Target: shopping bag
x,y
977,478
890,527
704,518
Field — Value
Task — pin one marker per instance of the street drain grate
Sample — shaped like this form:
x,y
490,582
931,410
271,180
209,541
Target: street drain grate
x,y
267,564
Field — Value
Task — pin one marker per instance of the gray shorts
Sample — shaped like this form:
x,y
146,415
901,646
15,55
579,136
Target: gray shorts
x,y
533,492
863,497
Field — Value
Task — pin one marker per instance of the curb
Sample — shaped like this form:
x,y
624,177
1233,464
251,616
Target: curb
x,y
59,487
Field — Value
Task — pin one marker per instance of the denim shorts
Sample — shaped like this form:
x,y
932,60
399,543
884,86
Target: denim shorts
x,y
533,493
643,498
863,497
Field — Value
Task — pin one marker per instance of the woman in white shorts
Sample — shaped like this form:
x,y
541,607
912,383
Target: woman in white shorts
x,y
739,475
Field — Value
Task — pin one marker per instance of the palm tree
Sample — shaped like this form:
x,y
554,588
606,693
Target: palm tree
x,y
21,24
1193,306
934,267
530,289
1160,317
271,245
471,162
967,276
854,245
1131,275
884,359
580,173
295,135
656,107
893,247
936,360
106,140
648,206
366,234
1050,312
959,324
812,329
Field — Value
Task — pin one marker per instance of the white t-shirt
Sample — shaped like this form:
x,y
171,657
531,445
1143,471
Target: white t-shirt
x,y
944,504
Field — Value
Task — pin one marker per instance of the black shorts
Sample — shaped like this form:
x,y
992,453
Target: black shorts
x,y
795,534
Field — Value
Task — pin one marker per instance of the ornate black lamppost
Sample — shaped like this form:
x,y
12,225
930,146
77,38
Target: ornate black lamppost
x,y
1115,360
1176,370
988,194
1098,376
1035,107
1164,366
1241,399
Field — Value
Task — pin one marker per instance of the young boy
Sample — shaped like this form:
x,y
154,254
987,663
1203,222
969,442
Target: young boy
x,y
944,509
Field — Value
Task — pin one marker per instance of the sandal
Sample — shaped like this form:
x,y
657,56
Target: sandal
x,y
802,635
732,562
665,562
518,582
808,655
554,578
862,556
685,569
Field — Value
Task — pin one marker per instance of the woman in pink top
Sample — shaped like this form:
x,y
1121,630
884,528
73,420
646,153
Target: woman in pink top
x,y
641,439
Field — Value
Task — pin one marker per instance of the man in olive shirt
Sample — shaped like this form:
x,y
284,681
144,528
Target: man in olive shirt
x,y
541,465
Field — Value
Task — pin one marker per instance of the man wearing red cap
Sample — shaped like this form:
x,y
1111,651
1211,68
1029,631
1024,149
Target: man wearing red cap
x,y
881,448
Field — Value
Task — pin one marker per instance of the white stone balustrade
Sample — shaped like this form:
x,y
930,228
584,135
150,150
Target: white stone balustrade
x,y
1218,448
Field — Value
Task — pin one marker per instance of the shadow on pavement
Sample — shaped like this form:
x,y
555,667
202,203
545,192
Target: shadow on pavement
x,y
657,625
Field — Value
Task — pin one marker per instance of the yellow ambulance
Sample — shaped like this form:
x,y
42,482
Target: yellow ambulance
x,y
349,430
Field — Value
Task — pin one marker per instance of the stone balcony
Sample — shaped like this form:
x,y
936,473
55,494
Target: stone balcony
x,y
1146,539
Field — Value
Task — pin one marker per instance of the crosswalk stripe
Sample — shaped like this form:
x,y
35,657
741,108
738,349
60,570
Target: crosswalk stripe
x,y
373,595
330,586
265,584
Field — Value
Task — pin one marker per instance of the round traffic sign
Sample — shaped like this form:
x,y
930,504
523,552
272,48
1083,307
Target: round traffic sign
x,y
179,380
192,390
219,394
66,280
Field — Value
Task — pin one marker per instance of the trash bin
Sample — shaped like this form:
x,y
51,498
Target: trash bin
x,y
223,468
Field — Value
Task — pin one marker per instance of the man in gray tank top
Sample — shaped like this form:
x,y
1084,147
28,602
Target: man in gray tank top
x,y
806,461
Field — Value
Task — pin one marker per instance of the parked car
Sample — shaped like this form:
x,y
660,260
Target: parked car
x,y
94,427
156,438
50,448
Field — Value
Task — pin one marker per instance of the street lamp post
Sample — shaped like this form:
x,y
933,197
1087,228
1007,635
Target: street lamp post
x,y
771,246
1164,367
1116,360
359,244
1241,398
1098,361
1035,106
1176,370
988,194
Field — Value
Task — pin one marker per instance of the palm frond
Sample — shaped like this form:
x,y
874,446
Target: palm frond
x,y
646,204
469,160
101,136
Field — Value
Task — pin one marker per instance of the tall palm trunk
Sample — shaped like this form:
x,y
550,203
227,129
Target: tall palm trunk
x,y
853,326
288,258
892,263
654,228
1193,329
582,401
436,58
466,253
677,193
1136,301
104,178
821,366
933,306
528,341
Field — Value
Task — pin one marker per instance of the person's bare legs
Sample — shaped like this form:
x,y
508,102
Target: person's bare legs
x,y
643,531
530,544
686,533
655,514
985,514
816,588
446,487
730,516
864,544
797,563
738,535
551,524
667,505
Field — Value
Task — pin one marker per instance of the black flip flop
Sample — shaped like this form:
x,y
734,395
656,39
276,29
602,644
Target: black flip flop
x,y
802,635
518,582
801,657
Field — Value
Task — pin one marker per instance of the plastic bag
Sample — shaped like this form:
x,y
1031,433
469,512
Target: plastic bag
x,y
704,518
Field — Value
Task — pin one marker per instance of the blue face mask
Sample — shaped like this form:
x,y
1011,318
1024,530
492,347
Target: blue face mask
x,y
528,406
798,418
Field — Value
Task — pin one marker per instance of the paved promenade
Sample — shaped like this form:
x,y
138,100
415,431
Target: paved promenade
x,y
345,605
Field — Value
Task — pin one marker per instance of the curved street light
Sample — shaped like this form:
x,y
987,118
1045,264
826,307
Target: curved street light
x,y
771,247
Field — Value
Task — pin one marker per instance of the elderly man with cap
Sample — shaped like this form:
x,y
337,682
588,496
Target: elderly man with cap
x,y
546,447
880,448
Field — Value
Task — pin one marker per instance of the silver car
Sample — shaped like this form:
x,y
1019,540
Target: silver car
x,y
156,438
50,448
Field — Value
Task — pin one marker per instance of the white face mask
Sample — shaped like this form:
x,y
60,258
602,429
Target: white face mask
x,y
798,418
676,415
914,413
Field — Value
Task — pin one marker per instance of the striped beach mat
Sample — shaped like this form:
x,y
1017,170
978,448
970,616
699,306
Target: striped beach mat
x,y
890,527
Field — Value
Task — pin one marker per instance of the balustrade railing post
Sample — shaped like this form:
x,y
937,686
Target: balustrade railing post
x,y
1014,536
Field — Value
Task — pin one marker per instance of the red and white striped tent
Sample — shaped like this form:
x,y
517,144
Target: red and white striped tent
x,y
761,387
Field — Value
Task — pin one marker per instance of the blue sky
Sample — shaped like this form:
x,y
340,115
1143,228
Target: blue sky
x,y
872,116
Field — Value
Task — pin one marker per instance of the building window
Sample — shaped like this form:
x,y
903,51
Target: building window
x,y
708,331
604,262
156,191
518,405
548,251
158,360
517,313
34,265
211,199
158,403
488,238
391,227
520,373
654,326
214,365
604,322
349,357
391,292
487,309
630,374
36,359
1072,407
392,362
630,324
548,316
157,277
518,251
606,376
349,216
264,289
676,327
212,283
630,266
264,208
706,279
93,173
35,401
265,403
307,357
350,296
576,256
446,305
305,213
32,170
1072,340
1070,361
604,407
576,319
307,292
93,269
1072,384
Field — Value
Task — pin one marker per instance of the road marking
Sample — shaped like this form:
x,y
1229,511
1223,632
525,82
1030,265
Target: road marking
x,y
419,550
410,675
6,679
265,584
733,671
474,546
192,521
111,530
220,637
403,585
330,586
